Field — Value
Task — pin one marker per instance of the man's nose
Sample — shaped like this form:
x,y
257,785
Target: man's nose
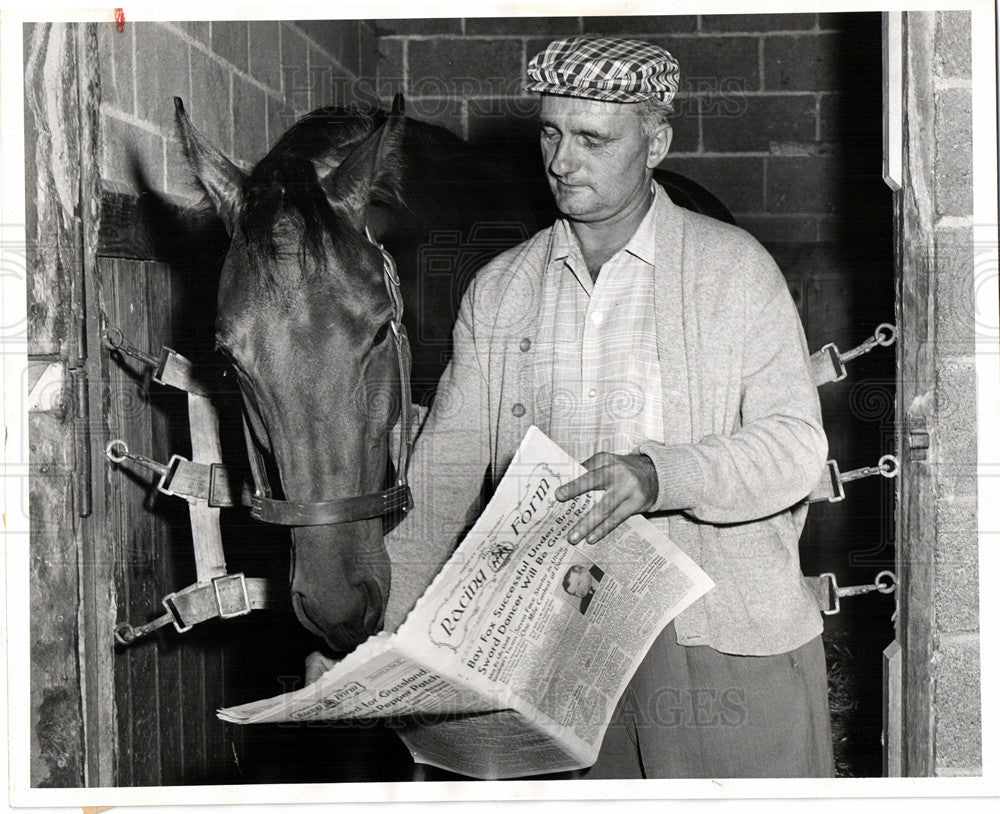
x,y
563,159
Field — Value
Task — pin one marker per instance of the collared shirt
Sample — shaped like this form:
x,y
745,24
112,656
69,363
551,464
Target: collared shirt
x,y
599,343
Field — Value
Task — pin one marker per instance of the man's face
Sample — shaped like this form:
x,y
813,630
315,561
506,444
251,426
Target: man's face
x,y
579,583
595,156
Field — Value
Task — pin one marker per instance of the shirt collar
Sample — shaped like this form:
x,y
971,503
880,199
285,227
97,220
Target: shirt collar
x,y
642,244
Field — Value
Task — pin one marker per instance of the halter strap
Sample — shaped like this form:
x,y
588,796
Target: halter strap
x,y
397,498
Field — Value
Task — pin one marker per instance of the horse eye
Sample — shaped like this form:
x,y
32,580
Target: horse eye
x,y
381,334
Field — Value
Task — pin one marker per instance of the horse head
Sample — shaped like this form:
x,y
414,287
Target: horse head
x,y
306,319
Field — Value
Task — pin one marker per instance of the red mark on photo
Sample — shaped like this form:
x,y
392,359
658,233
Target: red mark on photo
x,y
120,19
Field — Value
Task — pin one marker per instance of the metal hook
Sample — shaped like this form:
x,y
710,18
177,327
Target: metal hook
x,y
890,582
885,334
888,466
120,457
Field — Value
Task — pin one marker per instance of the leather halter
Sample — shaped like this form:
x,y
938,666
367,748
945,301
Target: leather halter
x,y
397,498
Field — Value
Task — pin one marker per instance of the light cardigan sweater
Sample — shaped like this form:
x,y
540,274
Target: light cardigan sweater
x,y
742,448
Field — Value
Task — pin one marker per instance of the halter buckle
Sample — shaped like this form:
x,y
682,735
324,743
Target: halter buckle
x,y
231,596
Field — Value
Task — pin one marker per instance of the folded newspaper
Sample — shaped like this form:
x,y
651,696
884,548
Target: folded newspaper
x,y
512,661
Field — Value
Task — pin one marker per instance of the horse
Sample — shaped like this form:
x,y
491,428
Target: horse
x,y
308,316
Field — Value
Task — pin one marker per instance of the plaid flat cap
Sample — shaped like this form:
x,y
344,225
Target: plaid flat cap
x,y
604,68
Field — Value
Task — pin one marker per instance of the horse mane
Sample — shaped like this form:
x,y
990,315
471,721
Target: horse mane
x,y
284,185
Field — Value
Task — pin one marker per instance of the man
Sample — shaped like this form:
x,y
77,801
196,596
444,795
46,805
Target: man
x,y
579,582
663,349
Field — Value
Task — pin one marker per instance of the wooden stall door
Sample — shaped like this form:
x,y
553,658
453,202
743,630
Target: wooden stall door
x,y
168,686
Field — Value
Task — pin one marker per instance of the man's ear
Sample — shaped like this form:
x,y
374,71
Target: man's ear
x,y
659,145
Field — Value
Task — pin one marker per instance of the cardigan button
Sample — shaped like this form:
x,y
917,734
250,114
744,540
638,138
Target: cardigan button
x,y
518,410
525,344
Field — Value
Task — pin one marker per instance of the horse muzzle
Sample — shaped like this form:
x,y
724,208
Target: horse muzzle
x,y
340,580
341,636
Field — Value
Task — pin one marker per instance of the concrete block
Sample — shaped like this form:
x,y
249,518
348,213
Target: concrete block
x,y
391,67
736,181
813,61
807,184
447,112
686,123
715,64
953,45
778,228
755,121
955,396
211,100
956,566
350,45
264,51
368,52
508,120
833,21
635,25
757,22
828,229
329,83
953,152
280,116
117,67
229,41
322,82
954,282
851,119
330,35
294,68
958,728
338,38
126,148
418,25
161,72
512,26
359,91
463,68
858,24
249,129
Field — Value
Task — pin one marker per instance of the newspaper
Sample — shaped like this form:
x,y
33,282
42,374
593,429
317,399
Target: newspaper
x,y
512,661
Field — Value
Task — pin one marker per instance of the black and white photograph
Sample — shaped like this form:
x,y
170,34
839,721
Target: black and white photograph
x,y
283,297
579,585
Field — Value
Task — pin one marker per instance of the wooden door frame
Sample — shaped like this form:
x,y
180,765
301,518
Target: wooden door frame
x,y
98,546
62,146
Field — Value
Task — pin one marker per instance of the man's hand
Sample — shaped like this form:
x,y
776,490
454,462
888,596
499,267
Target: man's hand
x,y
630,487
316,665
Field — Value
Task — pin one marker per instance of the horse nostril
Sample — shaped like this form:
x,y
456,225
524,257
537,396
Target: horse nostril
x,y
375,607
300,605
342,626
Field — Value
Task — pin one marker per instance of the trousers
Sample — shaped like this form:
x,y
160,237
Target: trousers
x,y
693,712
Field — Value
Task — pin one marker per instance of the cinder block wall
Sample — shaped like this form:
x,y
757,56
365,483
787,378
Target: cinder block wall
x,y
243,84
767,113
954,668
778,114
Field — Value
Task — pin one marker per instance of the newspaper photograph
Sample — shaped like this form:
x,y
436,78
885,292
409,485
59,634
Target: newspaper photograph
x,y
513,660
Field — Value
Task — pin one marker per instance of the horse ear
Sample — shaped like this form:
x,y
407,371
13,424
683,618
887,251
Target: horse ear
x,y
372,172
221,178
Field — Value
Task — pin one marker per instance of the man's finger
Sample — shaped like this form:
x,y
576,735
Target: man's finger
x,y
598,459
622,512
606,507
587,482
316,665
